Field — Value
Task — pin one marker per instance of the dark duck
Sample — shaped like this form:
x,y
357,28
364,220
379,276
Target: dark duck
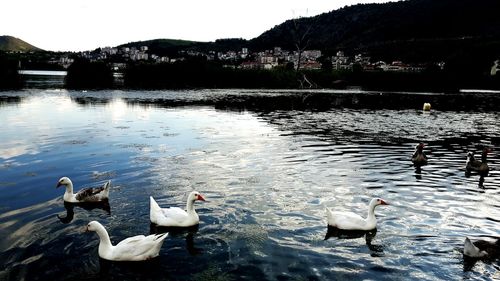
x,y
419,158
473,165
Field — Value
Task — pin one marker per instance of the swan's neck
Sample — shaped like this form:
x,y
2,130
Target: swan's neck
x,y
69,188
190,207
68,194
105,245
371,213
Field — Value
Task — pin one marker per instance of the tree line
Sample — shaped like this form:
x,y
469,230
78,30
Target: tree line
x,y
198,73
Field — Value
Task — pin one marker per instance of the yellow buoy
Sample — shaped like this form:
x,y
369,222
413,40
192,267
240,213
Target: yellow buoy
x,y
427,106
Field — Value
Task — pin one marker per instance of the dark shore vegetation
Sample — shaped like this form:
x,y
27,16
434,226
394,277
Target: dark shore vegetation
x,y
203,74
83,74
9,76
197,73
194,74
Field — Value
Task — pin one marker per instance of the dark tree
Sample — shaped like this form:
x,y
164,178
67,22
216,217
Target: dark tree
x,y
83,74
9,76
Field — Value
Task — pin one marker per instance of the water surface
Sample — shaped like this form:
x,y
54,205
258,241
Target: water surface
x,y
268,163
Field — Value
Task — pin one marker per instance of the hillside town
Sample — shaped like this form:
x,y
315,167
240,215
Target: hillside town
x,y
245,59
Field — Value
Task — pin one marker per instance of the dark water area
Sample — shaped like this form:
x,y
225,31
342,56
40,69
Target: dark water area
x,y
268,163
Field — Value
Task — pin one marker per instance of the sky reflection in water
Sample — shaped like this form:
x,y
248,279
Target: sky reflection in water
x,y
266,175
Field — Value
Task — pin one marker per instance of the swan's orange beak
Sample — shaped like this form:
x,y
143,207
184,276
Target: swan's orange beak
x,y
200,198
382,202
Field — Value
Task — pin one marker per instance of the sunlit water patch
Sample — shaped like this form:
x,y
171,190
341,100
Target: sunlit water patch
x,y
267,176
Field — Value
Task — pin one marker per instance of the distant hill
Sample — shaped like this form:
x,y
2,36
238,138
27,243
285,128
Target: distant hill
x,y
171,47
163,46
411,30
9,43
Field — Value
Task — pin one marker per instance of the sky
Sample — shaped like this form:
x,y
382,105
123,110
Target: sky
x,y
80,25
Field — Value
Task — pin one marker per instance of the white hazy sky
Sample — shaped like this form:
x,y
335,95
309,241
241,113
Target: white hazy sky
x,y
78,25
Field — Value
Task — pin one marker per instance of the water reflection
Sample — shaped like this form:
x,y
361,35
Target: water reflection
x,y
6,100
481,182
178,232
353,234
70,213
90,101
144,270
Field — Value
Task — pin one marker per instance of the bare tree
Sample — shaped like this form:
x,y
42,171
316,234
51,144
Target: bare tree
x,y
301,29
300,36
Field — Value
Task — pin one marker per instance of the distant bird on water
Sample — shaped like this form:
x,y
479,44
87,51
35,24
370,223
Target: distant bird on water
x,y
419,158
481,167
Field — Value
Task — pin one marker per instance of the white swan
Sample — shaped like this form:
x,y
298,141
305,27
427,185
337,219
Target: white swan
x,y
174,216
136,248
91,194
352,221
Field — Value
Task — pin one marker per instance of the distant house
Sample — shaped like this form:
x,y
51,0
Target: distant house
x,y
311,54
399,66
65,61
139,56
249,65
310,65
361,59
268,61
341,62
243,53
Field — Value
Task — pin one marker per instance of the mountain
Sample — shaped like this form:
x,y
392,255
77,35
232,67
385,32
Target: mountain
x,y
162,46
410,30
465,31
9,43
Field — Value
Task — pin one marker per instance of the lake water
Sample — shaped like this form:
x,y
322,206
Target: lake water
x,y
268,163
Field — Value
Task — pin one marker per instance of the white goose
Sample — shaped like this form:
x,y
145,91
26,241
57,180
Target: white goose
x,y
174,216
136,248
352,221
91,194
